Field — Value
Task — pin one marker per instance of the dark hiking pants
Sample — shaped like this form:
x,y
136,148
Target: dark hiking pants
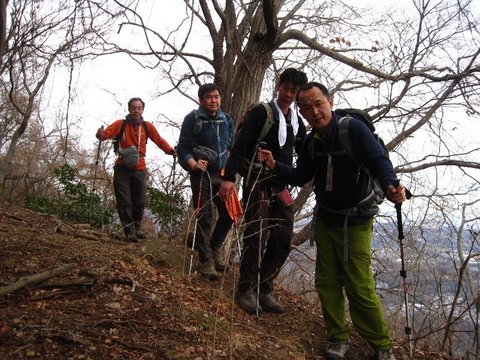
x,y
268,217
207,241
130,193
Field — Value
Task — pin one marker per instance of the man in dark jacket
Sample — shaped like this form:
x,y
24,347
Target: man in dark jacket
x,y
269,223
205,138
343,220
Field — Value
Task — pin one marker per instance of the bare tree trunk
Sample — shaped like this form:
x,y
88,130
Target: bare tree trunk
x,y
3,27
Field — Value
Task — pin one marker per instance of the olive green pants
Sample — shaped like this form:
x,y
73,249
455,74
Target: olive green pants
x,y
358,282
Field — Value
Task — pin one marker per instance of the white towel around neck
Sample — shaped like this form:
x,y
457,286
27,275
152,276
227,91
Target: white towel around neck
x,y
282,123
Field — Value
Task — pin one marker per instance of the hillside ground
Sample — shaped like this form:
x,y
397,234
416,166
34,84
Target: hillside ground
x,y
136,301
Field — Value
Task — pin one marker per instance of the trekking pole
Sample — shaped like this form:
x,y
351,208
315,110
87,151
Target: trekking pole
x,y
262,145
97,160
259,260
197,210
172,200
403,272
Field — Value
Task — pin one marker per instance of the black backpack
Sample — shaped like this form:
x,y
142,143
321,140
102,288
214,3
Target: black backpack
x,y
116,139
345,142
375,197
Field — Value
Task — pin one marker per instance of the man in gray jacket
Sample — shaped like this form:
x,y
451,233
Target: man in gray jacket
x,y
205,138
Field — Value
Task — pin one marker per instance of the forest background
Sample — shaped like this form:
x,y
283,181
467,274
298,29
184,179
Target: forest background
x,y
69,67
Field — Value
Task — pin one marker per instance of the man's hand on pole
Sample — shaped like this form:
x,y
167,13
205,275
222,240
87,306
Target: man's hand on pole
x,y
200,165
100,133
266,157
396,194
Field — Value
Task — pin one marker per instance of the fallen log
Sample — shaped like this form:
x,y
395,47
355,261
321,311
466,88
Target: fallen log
x,y
35,279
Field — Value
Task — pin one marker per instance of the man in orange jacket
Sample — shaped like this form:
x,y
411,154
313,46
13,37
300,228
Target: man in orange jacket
x,y
130,172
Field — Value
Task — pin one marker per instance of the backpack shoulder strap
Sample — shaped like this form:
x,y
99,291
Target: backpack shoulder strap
x,y
197,124
124,125
362,115
344,137
268,122
116,139
145,127
261,135
122,129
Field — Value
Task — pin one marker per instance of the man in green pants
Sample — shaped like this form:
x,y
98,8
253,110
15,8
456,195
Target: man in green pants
x,y
343,218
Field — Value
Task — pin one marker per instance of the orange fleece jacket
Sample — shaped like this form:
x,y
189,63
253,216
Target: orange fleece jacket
x,y
130,138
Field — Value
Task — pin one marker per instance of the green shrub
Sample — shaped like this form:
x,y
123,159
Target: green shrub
x,y
77,203
168,208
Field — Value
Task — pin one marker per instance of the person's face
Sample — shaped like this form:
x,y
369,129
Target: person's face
x,y
316,108
286,93
211,101
136,110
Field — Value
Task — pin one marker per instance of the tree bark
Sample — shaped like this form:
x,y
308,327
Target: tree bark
x,y
3,28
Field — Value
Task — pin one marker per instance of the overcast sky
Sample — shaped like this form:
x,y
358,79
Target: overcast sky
x,y
104,86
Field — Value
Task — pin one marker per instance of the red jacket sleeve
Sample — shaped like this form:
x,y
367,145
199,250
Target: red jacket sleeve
x,y
112,130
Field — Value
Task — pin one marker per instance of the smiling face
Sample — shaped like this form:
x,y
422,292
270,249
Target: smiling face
x,y
136,110
286,93
211,101
316,108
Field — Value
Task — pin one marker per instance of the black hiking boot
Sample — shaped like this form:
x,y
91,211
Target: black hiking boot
x,y
131,238
130,234
247,301
207,269
270,304
220,262
140,234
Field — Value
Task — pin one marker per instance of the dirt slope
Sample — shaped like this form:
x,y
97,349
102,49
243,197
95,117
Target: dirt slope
x,y
134,301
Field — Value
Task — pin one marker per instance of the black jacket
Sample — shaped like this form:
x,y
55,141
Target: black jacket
x,y
246,140
348,185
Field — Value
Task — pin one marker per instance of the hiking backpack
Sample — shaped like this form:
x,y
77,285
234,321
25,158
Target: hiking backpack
x,y
116,139
198,124
345,142
197,127
247,166
268,121
200,151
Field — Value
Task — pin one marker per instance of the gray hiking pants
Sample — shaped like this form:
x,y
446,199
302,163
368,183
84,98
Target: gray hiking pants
x,y
130,193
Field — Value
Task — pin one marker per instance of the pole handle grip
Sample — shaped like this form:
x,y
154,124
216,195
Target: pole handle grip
x,y
264,146
408,194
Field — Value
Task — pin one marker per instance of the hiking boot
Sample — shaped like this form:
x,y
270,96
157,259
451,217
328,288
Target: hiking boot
x,y
247,301
141,235
337,349
207,269
384,354
220,263
269,303
131,238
